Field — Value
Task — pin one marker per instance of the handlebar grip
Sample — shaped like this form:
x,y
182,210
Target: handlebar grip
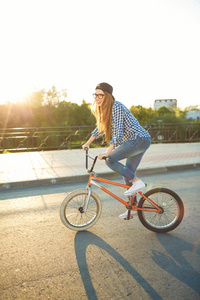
x,y
104,157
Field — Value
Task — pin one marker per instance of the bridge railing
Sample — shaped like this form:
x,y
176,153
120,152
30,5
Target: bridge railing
x,y
72,137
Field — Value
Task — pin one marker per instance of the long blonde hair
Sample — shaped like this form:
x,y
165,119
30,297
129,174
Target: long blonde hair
x,y
103,115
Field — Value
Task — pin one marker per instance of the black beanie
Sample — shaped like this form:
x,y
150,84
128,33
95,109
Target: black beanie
x,y
105,87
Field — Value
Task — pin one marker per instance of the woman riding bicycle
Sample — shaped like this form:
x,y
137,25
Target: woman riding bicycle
x,y
127,138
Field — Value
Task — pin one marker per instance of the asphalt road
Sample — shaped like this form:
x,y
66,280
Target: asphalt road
x,y
115,259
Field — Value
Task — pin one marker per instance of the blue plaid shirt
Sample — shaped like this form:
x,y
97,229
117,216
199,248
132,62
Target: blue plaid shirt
x,y
124,127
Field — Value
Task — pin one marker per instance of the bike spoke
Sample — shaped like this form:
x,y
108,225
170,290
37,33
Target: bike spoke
x,y
75,214
170,211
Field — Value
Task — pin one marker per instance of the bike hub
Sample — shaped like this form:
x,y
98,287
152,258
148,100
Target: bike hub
x,y
81,210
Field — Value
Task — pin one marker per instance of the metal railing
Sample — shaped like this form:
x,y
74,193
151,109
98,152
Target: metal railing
x,y
72,137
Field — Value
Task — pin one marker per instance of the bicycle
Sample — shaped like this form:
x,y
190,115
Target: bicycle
x,y
159,209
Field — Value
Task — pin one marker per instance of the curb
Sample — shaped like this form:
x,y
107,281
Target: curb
x,y
60,180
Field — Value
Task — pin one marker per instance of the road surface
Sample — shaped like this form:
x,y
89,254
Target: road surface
x,y
115,259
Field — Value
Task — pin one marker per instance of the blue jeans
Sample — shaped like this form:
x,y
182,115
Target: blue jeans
x,y
133,151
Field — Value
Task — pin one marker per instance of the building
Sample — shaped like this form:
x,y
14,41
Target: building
x,y
193,114
169,103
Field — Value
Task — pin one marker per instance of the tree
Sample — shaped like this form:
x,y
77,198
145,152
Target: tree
x,y
86,116
180,113
142,114
36,99
161,111
192,107
52,97
51,109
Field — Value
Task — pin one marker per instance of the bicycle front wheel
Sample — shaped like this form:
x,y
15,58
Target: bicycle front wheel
x,y
74,213
172,210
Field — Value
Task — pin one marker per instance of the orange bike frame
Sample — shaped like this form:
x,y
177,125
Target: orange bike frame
x,y
90,182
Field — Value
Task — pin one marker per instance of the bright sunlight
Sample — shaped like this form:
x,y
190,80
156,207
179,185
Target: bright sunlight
x,y
147,50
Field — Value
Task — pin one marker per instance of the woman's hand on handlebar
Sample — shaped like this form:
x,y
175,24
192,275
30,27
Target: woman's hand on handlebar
x,y
85,146
102,156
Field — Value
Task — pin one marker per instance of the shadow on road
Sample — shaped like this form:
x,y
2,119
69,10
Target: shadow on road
x,y
175,262
82,241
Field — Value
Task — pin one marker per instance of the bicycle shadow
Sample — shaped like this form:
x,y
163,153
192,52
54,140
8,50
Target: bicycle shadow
x,y
82,241
176,264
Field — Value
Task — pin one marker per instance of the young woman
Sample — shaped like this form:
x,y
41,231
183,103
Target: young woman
x,y
126,137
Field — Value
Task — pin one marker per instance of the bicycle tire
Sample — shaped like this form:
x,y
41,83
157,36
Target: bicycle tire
x,y
72,210
171,216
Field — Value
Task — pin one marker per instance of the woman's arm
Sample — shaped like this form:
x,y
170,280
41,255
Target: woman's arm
x,y
109,150
87,144
118,124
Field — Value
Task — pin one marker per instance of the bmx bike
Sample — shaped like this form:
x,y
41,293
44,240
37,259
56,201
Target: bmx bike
x,y
159,209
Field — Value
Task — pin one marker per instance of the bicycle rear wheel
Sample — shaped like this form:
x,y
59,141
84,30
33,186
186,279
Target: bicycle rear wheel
x,y
72,210
172,210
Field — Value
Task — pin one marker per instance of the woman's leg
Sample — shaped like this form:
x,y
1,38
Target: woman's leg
x,y
132,163
133,151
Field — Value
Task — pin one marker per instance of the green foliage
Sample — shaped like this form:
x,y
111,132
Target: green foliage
x,y
180,113
162,115
51,109
46,109
164,111
192,107
36,99
141,113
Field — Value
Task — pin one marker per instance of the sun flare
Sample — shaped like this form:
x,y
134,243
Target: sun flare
x,y
16,94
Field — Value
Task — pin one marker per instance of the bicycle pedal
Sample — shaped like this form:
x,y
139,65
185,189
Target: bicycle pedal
x,y
131,217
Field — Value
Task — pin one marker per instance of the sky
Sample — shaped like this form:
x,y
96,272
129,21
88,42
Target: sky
x,y
146,49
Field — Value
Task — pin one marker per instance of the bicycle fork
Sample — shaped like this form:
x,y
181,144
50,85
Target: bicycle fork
x,y
87,198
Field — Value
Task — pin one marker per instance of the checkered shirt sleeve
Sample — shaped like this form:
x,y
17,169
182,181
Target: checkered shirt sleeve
x,y
96,133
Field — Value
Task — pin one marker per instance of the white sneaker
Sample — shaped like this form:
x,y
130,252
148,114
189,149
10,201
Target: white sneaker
x,y
125,215
137,186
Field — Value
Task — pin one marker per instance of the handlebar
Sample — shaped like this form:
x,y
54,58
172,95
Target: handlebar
x,y
94,160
